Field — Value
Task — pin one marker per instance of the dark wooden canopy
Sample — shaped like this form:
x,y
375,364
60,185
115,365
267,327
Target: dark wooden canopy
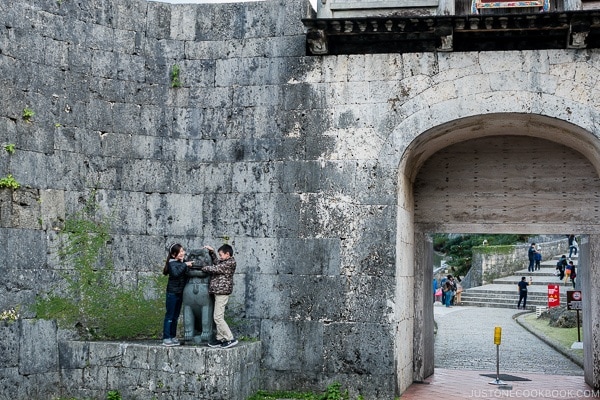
x,y
396,34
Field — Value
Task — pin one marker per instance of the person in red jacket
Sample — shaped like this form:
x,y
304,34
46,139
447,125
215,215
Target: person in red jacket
x,y
221,286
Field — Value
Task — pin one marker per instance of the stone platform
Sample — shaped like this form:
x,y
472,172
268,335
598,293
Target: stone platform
x,y
40,365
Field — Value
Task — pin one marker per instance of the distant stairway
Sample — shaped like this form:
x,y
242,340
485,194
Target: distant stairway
x,y
502,293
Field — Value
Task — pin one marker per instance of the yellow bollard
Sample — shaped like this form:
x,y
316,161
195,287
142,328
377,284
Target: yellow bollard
x,y
497,340
497,335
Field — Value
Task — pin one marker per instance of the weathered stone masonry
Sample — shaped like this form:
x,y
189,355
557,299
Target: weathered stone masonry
x,y
305,163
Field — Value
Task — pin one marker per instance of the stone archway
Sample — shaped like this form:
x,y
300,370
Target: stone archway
x,y
497,173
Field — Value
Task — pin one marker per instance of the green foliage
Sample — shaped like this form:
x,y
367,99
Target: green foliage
x,y
113,395
27,114
175,80
9,182
459,248
90,300
10,148
333,392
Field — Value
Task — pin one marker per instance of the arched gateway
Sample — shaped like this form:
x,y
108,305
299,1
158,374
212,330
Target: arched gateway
x,y
498,173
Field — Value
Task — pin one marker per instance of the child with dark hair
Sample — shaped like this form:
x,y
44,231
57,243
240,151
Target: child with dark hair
x,y
221,286
176,269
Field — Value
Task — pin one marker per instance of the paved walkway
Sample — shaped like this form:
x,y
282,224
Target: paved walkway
x,y
464,349
465,340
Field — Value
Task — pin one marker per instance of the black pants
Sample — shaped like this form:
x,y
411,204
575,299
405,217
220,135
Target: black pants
x,y
522,297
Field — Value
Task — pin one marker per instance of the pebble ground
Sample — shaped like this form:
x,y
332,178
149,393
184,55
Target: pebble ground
x,y
465,340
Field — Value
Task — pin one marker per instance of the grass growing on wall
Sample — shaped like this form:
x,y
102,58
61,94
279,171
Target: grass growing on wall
x,y
90,301
333,392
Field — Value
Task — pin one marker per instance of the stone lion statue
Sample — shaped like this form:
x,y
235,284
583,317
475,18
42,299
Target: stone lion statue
x,y
198,304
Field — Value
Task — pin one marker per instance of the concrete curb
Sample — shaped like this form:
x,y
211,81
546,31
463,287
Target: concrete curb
x,y
549,341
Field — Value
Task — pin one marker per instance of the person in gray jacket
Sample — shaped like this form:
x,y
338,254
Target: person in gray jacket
x,y
221,286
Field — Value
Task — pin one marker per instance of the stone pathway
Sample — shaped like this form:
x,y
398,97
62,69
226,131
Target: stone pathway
x,y
465,340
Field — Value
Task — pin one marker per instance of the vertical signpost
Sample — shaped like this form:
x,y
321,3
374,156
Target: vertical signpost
x,y
574,300
553,296
497,340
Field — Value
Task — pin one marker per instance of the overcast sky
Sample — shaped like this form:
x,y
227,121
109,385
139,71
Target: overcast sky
x,y
313,2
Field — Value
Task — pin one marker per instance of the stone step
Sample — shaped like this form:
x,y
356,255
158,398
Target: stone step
x,y
530,305
502,293
507,295
537,280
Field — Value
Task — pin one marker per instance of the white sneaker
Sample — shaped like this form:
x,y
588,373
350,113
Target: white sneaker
x,y
169,343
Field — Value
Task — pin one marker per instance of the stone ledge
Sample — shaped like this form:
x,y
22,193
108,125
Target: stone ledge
x,y
149,370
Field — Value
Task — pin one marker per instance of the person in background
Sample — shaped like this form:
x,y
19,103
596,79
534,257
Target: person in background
x,y
561,265
459,290
448,289
531,256
522,285
443,286
538,257
573,246
569,272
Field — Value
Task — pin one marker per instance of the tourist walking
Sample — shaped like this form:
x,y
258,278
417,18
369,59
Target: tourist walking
x,y
448,289
561,265
531,255
538,258
523,292
569,271
573,246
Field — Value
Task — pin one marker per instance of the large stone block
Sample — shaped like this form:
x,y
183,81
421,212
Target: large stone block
x,y
10,383
293,346
9,348
73,355
349,348
38,347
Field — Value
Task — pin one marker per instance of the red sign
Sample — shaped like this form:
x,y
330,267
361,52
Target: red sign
x,y
553,296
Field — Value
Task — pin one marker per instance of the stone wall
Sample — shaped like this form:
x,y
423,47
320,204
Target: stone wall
x,y
249,148
299,161
38,364
489,264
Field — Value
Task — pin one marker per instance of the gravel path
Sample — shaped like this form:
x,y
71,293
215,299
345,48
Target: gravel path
x,y
465,340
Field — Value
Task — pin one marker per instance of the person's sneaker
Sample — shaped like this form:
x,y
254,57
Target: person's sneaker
x,y
215,343
169,343
176,342
229,343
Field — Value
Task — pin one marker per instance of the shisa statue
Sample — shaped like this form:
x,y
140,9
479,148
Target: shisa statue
x,y
198,304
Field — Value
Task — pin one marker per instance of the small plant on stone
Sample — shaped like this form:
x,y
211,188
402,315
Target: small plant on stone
x,y
10,315
9,182
175,79
28,114
113,395
10,148
334,392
